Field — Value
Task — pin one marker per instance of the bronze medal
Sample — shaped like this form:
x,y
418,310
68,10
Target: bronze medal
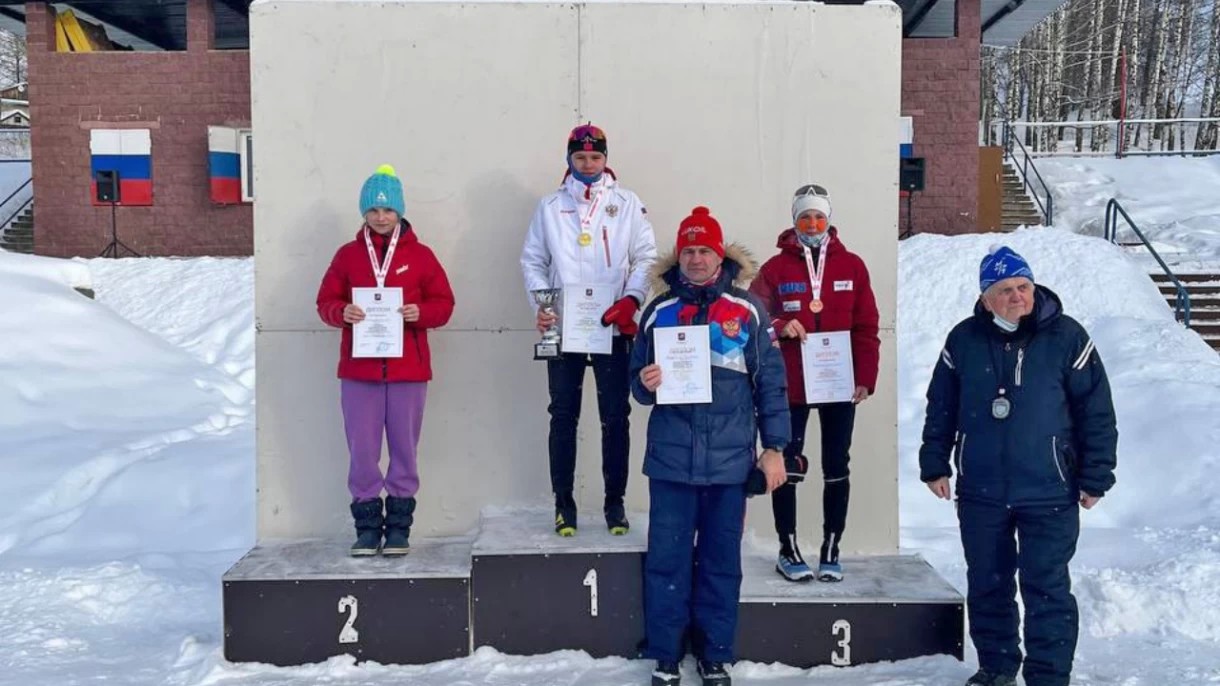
x,y
815,306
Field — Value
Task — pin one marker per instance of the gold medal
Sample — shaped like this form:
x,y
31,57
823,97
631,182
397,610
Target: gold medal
x,y
586,240
815,306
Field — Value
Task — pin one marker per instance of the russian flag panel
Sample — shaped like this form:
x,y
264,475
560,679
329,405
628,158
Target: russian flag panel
x,y
224,165
129,152
906,137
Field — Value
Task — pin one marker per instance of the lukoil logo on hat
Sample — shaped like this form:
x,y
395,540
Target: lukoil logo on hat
x,y
692,232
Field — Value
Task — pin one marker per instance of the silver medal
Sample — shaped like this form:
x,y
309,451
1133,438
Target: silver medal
x,y
1001,408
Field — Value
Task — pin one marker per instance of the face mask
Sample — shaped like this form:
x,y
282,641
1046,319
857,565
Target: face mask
x,y
811,240
587,180
1004,324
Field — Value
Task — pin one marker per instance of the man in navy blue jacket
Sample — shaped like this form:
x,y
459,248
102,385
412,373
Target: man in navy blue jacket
x,y
699,456
1020,405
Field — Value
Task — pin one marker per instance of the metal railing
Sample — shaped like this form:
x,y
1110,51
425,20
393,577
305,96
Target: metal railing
x,y
5,224
1114,210
1026,165
1113,137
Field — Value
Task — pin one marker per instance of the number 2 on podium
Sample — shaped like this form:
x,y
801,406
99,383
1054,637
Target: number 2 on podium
x,y
349,634
591,582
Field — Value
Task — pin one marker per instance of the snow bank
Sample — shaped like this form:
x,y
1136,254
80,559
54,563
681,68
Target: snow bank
x,y
112,439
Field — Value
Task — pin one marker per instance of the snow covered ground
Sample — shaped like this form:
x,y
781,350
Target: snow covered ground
x,y
1174,201
126,449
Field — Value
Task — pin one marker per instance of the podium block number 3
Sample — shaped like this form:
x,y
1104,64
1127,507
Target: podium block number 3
x,y
349,634
841,659
591,582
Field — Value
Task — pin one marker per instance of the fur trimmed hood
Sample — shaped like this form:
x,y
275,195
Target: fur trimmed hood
x,y
738,254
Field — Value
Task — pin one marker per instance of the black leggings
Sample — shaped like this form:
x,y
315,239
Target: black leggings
x,y
837,421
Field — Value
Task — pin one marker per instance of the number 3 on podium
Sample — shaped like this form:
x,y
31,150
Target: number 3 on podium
x,y
841,626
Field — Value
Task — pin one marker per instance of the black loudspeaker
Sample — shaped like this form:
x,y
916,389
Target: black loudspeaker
x,y
910,174
108,189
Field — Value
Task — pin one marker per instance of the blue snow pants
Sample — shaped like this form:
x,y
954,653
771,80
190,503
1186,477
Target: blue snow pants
x,y
692,572
1036,543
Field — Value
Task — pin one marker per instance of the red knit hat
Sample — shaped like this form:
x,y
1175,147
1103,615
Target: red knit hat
x,y
701,228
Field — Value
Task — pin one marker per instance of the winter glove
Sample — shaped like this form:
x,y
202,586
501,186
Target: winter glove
x,y
622,313
797,466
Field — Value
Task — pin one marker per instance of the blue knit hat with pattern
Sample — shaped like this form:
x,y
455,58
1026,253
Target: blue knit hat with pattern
x,y
382,189
1002,262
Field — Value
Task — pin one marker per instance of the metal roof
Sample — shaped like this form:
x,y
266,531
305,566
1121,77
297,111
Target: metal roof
x,y
146,24
1004,22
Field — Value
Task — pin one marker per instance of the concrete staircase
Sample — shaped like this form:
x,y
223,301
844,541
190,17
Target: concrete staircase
x,y
1204,291
1017,209
19,236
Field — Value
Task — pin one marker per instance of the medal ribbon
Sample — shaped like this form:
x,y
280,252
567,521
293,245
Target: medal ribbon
x,y
381,270
815,275
587,220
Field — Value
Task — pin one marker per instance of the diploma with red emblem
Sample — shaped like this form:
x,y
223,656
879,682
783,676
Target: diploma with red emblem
x,y
685,356
827,369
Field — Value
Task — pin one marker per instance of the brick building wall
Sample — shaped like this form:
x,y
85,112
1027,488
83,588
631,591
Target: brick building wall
x,y
176,95
940,91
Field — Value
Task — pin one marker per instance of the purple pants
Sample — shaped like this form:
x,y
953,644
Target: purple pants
x,y
373,407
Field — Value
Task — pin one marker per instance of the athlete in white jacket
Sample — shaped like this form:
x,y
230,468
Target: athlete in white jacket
x,y
590,232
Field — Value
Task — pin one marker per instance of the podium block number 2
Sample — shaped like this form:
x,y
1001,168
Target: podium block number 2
x,y
349,634
591,582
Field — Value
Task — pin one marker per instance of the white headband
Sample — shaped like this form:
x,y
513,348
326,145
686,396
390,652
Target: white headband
x,y
803,203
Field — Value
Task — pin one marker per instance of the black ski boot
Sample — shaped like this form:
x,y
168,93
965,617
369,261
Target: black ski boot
x,y
367,515
565,514
714,673
984,678
399,515
666,674
616,517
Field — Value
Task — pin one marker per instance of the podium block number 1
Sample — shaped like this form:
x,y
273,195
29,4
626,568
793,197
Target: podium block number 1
x,y
591,582
349,634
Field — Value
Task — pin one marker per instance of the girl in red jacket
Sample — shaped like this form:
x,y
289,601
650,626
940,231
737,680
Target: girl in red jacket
x,y
816,285
384,394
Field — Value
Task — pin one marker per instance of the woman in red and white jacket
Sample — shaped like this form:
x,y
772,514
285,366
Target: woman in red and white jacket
x,y
384,394
816,285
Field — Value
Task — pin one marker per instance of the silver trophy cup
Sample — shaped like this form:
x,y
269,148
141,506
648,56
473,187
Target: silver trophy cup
x,y
548,347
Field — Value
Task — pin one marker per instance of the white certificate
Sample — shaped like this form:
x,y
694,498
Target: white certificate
x,y
580,323
380,333
685,356
826,363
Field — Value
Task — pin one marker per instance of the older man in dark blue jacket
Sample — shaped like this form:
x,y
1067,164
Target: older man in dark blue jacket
x,y
1020,402
699,456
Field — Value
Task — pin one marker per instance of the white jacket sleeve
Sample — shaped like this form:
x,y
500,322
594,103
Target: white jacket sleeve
x,y
536,257
643,254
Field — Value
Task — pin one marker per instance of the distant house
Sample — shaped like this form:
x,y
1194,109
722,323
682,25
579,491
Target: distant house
x,y
13,119
17,91
15,106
